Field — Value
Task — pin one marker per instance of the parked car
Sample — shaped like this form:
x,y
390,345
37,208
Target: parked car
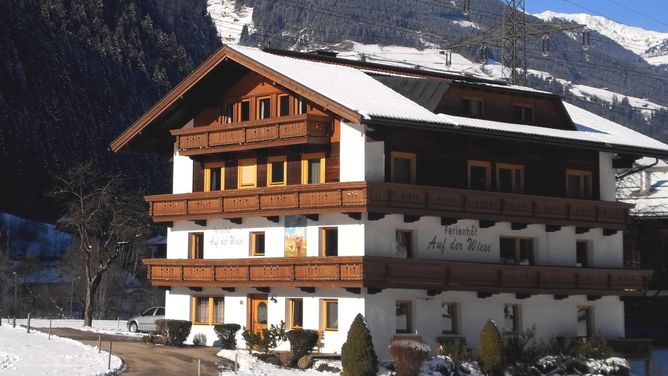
x,y
145,321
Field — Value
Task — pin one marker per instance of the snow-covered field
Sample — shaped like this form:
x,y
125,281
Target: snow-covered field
x,y
33,354
113,327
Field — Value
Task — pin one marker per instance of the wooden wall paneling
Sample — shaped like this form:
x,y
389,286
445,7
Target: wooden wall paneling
x,y
231,174
333,164
207,116
198,176
294,168
261,170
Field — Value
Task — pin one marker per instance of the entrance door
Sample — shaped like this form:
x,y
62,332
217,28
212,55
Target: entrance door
x,y
259,312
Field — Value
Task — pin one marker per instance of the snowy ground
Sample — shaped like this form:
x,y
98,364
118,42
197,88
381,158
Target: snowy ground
x,y
252,366
33,354
113,327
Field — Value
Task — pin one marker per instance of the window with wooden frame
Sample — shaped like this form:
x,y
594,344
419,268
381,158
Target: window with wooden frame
x,y
404,243
509,178
207,310
523,113
247,173
578,184
582,253
196,245
283,105
277,167
263,108
214,176
228,113
329,241
479,175
313,168
403,317
330,314
295,313
244,110
257,243
301,106
402,166
516,251
511,318
585,321
449,319
473,107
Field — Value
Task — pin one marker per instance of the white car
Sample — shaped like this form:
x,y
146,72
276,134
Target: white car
x,y
145,322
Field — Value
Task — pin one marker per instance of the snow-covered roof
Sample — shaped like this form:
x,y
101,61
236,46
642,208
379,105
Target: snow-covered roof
x,y
362,98
647,188
354,89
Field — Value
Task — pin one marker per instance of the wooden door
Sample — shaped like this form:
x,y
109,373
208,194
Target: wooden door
x,y
259,312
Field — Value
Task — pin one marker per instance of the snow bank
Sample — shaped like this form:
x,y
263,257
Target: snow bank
x,y
252,366
34,354
111,327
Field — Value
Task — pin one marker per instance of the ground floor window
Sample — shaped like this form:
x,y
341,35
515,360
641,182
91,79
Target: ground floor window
x,y
295,313
404,243
585,321
330,314
449,318
583,254
403,317
207,310
511,318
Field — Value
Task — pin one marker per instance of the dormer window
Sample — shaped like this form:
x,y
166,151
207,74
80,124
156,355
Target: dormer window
x,y
283,105
264,108
244,112
524,114
473,107
302,108
228,116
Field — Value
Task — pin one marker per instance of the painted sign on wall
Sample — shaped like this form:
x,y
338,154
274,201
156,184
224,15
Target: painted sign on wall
x,y
295,236
459,238
227,239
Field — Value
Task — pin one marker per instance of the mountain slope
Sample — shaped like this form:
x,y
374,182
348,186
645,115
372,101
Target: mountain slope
x,y
650,45
74,74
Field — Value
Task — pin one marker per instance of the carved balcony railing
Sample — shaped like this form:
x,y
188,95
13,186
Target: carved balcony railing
x,y
384,272
495,206
257,272
388,198
294,199
280,131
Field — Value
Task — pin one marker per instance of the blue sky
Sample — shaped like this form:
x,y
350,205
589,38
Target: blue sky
x,y
648,14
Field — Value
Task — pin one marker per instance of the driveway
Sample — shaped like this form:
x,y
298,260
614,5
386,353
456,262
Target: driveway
x,y
148,359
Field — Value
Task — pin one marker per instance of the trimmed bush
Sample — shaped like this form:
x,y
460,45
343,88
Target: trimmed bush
x,y
175,332
408,356
267,340
490,354
199,339
305,362
227,334
357,355
302,342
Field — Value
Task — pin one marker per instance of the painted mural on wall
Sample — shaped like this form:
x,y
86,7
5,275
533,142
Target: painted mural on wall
x,y
459,239
295,236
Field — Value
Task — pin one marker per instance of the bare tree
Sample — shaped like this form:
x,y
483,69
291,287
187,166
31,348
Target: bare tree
x,y
105,217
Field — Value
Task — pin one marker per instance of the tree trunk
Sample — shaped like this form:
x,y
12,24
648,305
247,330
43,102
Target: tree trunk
x,y
88,305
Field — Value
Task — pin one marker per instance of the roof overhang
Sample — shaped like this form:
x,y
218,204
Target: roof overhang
x,y
174,99
519,136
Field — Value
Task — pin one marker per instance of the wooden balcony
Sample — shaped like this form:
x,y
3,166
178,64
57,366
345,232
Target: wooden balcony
x,y
254,134
388,198
383,272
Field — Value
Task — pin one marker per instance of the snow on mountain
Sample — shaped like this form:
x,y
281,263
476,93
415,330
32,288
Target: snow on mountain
x,y
650,45
229,20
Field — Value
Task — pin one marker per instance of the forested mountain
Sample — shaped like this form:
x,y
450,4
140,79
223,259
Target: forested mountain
x,y
74,74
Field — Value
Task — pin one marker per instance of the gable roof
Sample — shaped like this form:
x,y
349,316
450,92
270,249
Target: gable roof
x,y
356,96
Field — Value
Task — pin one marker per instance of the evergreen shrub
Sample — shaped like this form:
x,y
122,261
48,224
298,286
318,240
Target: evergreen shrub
x,y
490,354
357,355
175,332
302,342
267,340
227,334
408,356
